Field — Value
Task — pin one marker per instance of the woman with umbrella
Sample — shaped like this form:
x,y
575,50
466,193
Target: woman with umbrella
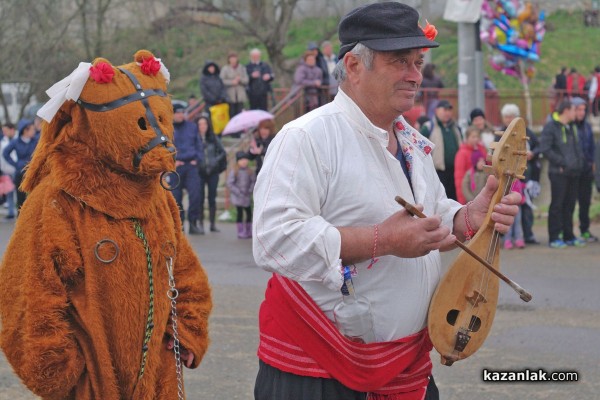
x,y
260,142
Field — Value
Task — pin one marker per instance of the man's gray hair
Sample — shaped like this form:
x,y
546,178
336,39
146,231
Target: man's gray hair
x,y
510,110
366,56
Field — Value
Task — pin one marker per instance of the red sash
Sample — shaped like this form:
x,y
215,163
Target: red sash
x,y
297,337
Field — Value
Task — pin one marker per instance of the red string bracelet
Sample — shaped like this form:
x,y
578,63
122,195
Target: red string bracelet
x,y
373,259
470,232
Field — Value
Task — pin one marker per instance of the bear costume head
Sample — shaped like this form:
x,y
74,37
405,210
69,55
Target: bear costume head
x,y
108,136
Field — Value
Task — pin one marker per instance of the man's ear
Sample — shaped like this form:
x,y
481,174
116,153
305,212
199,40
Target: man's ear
x,y
353,66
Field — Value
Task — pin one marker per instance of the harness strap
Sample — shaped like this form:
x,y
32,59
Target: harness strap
x,y
139,95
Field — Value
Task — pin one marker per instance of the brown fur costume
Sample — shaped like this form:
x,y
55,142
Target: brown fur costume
x,y
73,327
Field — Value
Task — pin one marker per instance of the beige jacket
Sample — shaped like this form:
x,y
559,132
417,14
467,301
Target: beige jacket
x,y
235,92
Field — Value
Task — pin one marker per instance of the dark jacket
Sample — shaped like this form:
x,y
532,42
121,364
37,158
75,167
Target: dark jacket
x,y
24,151
187,142
322,64
305,76
258,86
586,142
560,146
534,166
215,158
211,86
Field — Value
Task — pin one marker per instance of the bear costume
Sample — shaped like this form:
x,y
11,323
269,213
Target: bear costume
x,y
85,288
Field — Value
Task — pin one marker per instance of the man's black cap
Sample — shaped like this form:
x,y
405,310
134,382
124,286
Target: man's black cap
x,y
444,104
385,26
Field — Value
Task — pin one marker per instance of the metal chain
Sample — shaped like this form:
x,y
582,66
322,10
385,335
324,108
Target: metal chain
x,y
150,318
172,293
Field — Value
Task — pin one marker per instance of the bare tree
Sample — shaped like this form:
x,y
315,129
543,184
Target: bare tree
x,y
33,46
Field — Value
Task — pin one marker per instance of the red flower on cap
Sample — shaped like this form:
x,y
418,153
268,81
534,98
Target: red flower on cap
x,y
102,72
150,66
430,32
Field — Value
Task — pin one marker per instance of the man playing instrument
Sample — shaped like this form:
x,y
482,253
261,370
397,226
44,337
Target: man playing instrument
x,y
326,198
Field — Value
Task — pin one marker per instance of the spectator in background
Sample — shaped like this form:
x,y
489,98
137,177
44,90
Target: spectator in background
x,y
462,161
585,138
331,60
532,174
37,123
446,136
420,122
212,164
575,84
235,78
477,119
594,93
322,64
240,182
475,178
260,76
560,146
433,82
514,236
308,77
189,156
6,168
23,146
560,85
260,142
211,85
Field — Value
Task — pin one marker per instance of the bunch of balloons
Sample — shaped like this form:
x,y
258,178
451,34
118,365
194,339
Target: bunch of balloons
x,y
515,30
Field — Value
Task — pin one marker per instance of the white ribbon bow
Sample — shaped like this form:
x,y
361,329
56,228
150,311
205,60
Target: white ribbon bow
x,y
69,88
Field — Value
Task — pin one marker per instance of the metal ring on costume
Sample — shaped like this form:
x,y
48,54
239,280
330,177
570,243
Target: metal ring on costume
x,y
106,260
165,250
172,293
165,180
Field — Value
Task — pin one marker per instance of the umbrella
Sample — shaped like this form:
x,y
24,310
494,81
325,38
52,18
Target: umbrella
x,y
246,120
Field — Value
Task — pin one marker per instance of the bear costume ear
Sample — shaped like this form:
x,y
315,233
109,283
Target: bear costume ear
x,y
102,71
151,65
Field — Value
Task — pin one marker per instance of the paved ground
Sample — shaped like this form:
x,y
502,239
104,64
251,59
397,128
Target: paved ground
x,y
558,330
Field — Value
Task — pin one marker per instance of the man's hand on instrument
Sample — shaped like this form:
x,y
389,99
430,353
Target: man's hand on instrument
x,y
403,235
504,212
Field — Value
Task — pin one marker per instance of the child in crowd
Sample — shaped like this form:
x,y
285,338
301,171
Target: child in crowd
x,y
514,237
240,182
462,160
474,180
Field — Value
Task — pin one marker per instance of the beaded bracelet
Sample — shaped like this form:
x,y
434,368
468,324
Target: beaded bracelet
x,y
470,232
373,259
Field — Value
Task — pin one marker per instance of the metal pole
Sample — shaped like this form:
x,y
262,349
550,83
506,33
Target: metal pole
x,y
479,71
466,72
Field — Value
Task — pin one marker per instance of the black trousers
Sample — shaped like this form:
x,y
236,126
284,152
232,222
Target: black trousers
x,y
527,221
258,101
274,384
584,198
240,214
563,191
447,179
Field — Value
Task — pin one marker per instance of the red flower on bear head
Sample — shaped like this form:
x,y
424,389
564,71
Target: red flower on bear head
x,y
102,72
150,66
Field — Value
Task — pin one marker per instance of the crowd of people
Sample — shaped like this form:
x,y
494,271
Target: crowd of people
x,y
324,196
569,83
